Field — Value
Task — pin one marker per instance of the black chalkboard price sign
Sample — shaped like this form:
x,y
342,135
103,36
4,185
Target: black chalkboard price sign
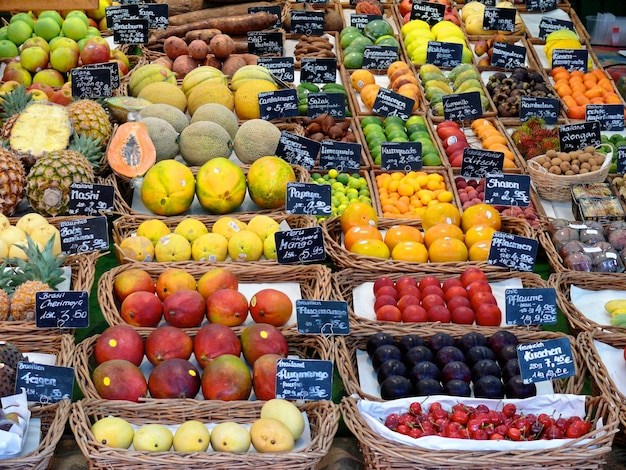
x,y
530,306
508,56
113,68
84,235
578,136
462,106
121,12
432,13
571,59
549,24
621,159
404,156
540,5
90,199
379,57
544,108
322,317
444,54
360,21
302,245
309,23
502,19
281,67
91,82
309,199
390,103
304,379
480,163
326,103
513,251
342,156
318,70
546,360
611,116
278,104
44,383
132,31
156,13
488,3
507,190
272,10
265,42
297,150
62,309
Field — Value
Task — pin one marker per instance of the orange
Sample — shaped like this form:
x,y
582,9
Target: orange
x,y
478,233
173,280
576,112
398,233
358,213
444,250
360,78
479,251
369,247
480,214
411,251
442,231
441,212
359,232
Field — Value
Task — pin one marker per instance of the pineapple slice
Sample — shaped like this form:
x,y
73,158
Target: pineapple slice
x,y
41,127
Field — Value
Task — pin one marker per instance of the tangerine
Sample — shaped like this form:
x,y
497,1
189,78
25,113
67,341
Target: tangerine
x,y
444,250
442,231
480,214
358,213
359,232
411,251
441,212
398,233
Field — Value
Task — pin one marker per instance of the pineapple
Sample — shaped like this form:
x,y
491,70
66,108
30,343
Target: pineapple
x,y
13,103
5,305
24,278
89,117
12,182
50,178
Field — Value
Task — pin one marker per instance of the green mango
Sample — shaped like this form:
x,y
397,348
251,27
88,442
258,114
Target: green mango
x,y
470,74
456,71
432,93
434,76
470,84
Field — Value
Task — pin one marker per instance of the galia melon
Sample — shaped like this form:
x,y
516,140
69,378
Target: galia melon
x,y
201,141
255,139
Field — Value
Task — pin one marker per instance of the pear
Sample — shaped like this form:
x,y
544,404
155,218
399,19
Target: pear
x,y
192,436
230,437
153,437
271,435
113,432
287,413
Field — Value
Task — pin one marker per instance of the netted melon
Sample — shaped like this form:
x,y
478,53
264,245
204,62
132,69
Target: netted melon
x,y
218,114
166,93
163,136
202,141
255,139
171,114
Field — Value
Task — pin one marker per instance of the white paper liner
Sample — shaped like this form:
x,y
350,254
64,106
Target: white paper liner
x,y
533,20
12,442
374,414
301,443
591,302
613,360
363,297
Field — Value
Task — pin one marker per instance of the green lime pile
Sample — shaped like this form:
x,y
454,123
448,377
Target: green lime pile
x,y
395,129
346,189
614,142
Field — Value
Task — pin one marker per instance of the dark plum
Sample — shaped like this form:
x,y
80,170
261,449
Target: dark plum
x,y
489,386
473,338
389,368
376,340
439,340
477,353
485,367
408,341
448,354
510,369
456,370
457,388
507,353
418,354
384,353
500,339
424,370
428,387
394,387
516,388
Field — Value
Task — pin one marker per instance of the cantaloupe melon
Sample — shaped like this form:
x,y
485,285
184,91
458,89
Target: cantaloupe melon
x,y
171,114
163,136
218,114
202,141
255,139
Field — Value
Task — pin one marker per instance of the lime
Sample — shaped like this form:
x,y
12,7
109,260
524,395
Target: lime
x,y
410,128
392,134
400,139
373,127
431,159
315,176
25,17
420,136
51,14
375,136
8,49
416,120
428,147
332,173
343,178
47,28
353,60
371,120
393,120
18,32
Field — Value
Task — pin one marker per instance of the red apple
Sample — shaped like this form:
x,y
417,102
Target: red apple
x,y
478,286
95,50
47,89
482,298
410,290
62,96
405,281
451,282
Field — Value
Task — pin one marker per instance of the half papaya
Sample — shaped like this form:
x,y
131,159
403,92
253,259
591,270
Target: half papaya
x,y
131,152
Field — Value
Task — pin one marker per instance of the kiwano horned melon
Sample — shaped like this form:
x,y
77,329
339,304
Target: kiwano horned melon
x,y
131,152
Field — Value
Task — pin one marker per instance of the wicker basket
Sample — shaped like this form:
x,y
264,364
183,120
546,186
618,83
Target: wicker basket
x,y
331,229
577,321
602,378
381,453
347,365
323,419
345,281
559,187
304,347
124,189
126,225
314,281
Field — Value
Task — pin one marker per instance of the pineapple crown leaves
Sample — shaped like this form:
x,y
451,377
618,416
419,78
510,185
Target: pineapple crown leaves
x,y
15,101
42,265
88,146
